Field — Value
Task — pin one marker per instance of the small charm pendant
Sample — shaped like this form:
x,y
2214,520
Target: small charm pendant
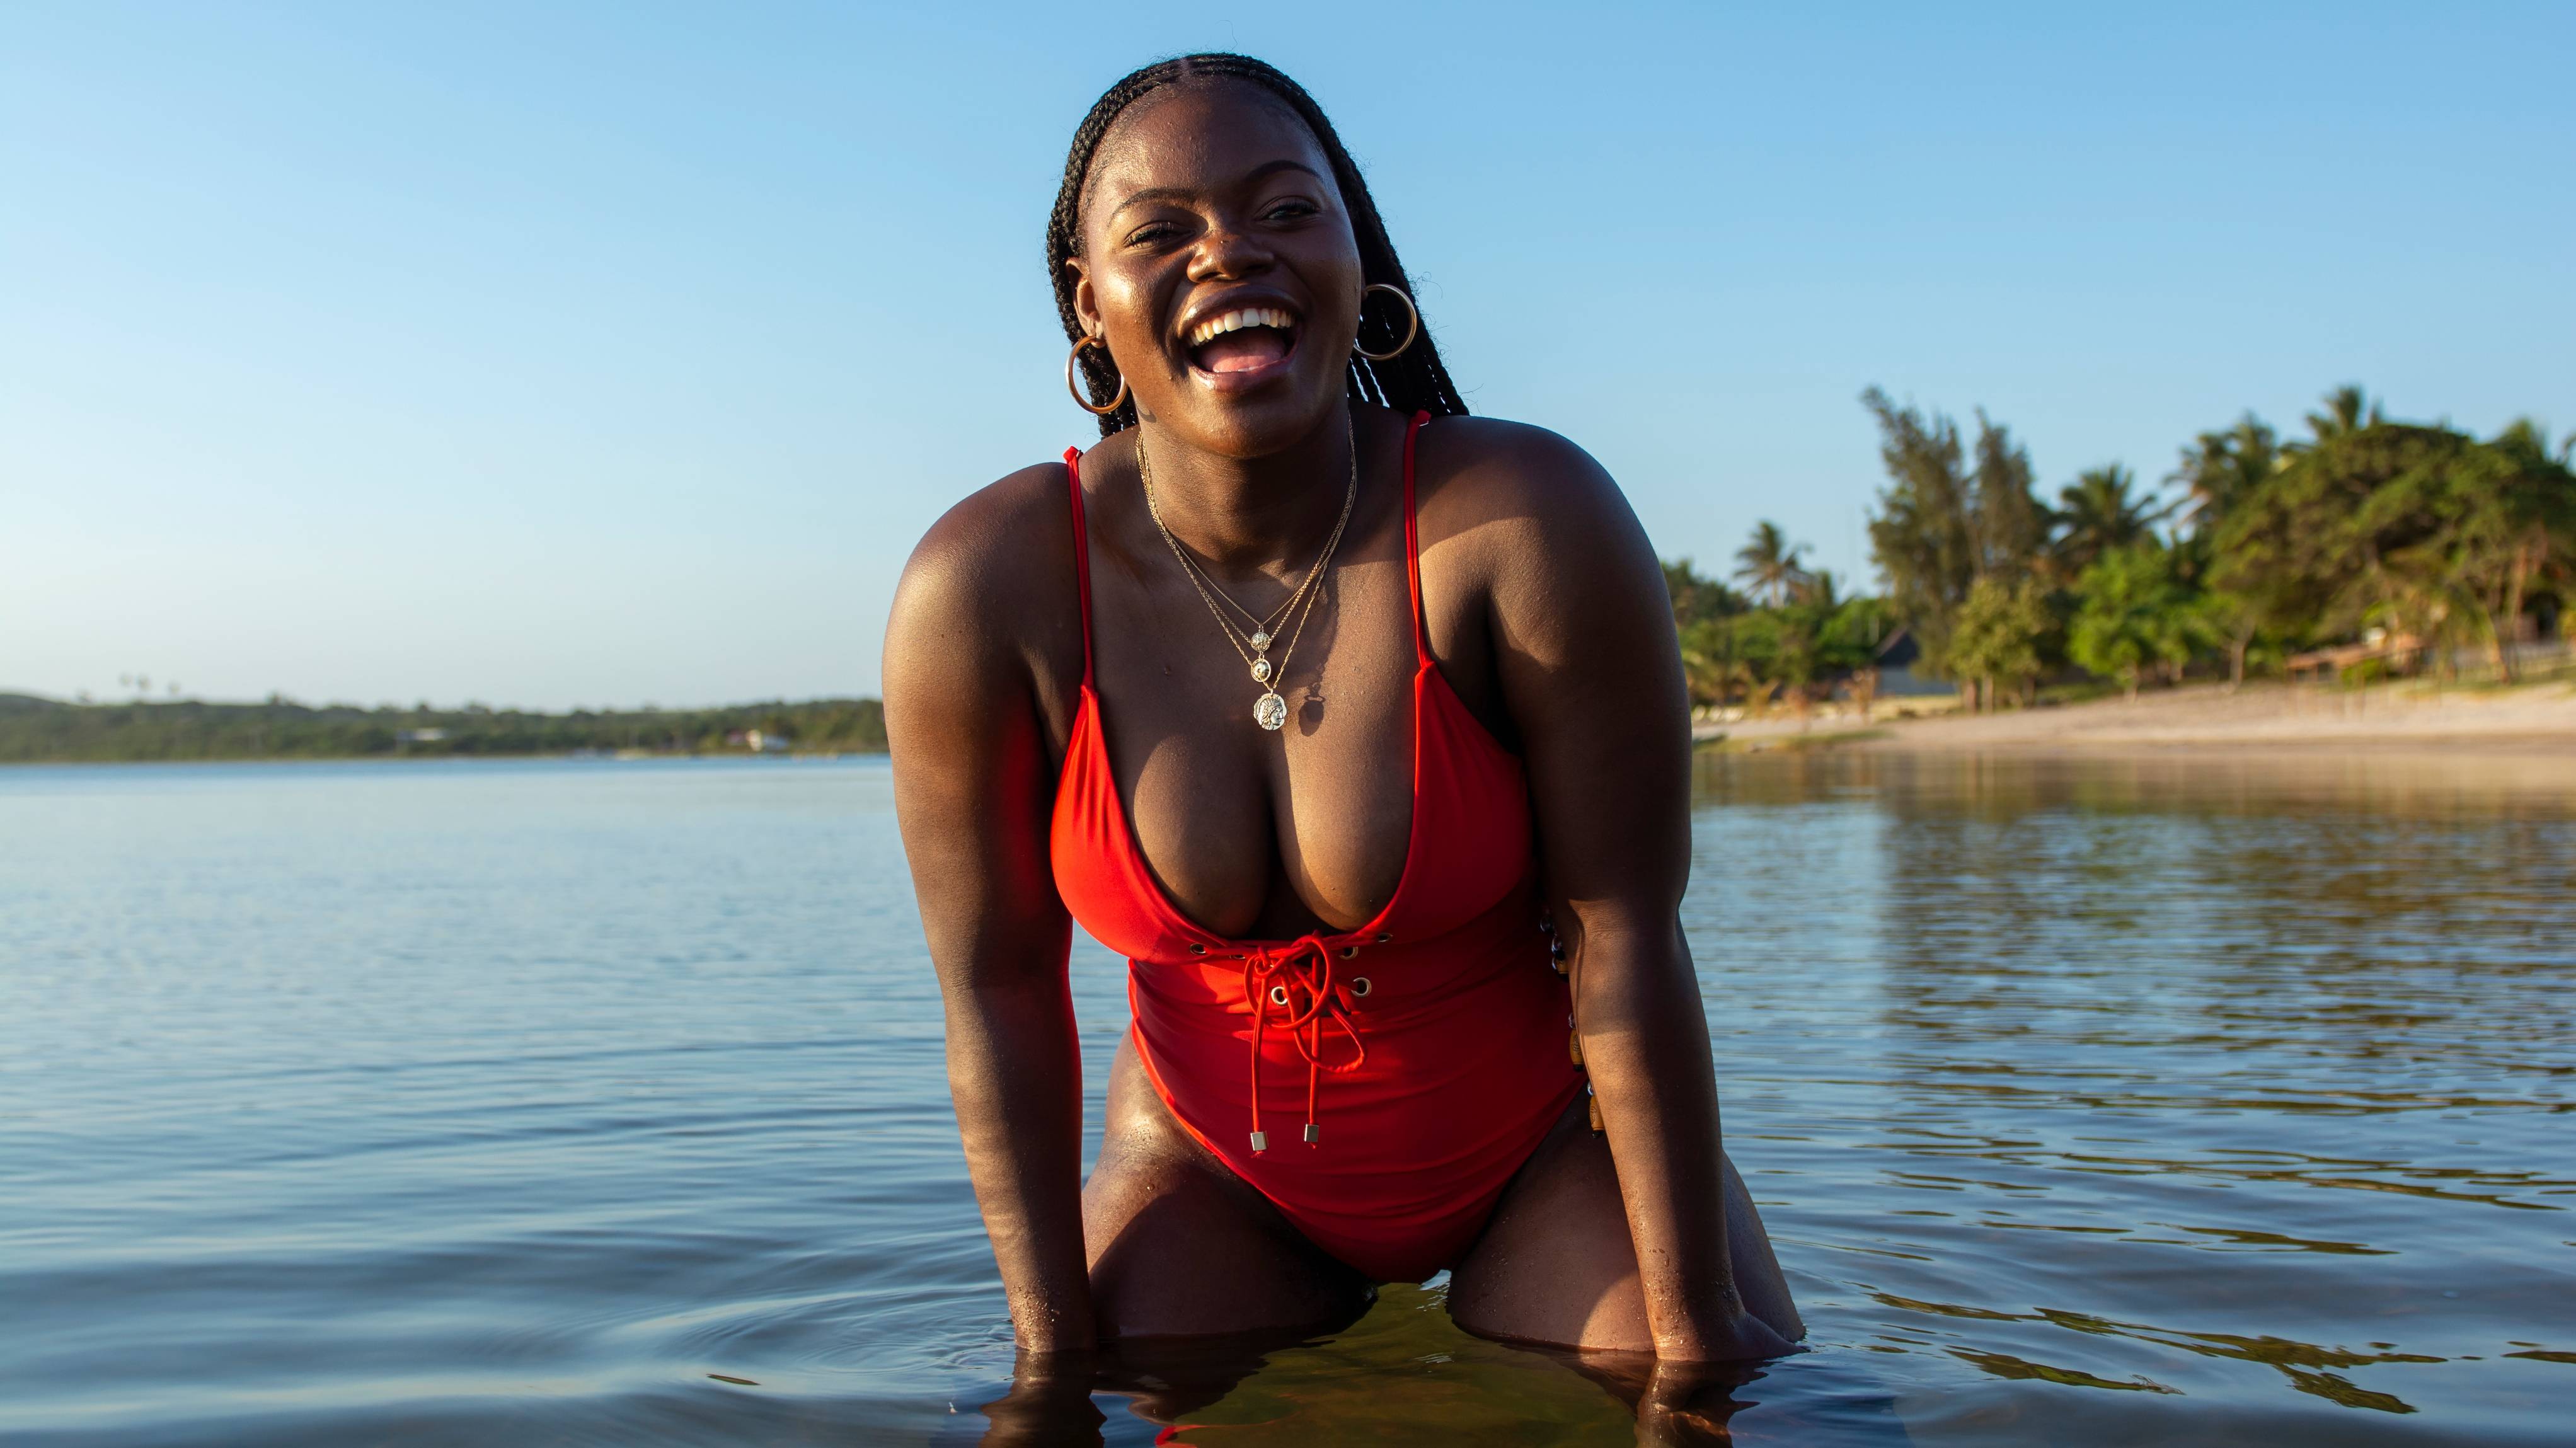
x,y
1260,640
1270,711
1261,671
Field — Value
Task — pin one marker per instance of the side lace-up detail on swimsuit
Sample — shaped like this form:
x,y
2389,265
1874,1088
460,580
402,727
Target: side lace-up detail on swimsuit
x,y
1435,1032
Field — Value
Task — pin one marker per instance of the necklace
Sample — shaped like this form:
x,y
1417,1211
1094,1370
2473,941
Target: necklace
x,y
1253,646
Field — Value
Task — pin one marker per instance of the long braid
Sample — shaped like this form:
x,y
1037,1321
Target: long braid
x,y
1413,381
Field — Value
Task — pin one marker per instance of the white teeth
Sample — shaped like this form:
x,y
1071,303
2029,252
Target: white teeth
x,y
1237,320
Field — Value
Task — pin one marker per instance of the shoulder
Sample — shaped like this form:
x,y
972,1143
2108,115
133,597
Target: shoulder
x,y
991,585
992,547
1525,496
1473,472
1015,521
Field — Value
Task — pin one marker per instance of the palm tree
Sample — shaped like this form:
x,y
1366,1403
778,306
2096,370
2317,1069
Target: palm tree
x,y
2099,514
1770,570
2222,468
2348,409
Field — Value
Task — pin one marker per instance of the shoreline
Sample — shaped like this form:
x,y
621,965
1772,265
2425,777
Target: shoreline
x,y
2264,717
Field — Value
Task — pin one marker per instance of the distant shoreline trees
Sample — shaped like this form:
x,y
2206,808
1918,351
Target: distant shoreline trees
x,y
2368,546
2415,542
36,730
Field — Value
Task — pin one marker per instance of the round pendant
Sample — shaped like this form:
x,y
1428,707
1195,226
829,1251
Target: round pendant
x,y
1270,711
1261,671
1260,640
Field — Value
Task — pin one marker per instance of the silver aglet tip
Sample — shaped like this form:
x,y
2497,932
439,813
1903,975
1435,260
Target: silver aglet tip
x,y
1261,1141
1314,1133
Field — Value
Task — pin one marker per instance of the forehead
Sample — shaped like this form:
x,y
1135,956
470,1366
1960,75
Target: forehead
x,y
1197,137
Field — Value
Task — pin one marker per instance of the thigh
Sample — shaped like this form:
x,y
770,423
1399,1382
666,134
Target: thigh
x,y
1555,1263
1180,1246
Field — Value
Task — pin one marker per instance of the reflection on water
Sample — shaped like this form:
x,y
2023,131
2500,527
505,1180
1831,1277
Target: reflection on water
x,y
2173,1097
2107,1101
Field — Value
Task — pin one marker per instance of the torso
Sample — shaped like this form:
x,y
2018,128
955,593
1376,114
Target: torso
x,y
1365,924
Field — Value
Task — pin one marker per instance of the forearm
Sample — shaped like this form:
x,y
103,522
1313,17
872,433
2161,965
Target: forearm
x,y
1645,1046
1015,1072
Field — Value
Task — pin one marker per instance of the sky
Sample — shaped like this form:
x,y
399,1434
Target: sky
x,y
603,355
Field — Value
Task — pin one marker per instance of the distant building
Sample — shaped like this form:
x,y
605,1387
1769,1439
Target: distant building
x,y
419,736
1896,676
761,741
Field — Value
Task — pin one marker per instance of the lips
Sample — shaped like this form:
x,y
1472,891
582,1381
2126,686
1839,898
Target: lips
x,y
1239,344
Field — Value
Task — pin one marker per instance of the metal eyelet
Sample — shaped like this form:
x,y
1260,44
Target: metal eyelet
x,y
1383,937
1279,995
1359,985
1349,950
1198,950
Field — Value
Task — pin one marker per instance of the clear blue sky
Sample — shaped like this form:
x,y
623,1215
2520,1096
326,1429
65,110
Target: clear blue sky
x,y
579,354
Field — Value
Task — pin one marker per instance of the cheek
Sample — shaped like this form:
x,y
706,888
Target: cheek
x,y
1130,313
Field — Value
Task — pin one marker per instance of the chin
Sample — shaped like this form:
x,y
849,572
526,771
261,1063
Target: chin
x,y
1251,422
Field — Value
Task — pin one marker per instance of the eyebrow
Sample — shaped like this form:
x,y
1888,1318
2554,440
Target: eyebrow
x,y
1259,173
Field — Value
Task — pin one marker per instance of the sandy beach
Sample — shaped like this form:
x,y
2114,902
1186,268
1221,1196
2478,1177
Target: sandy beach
x,y
2531,718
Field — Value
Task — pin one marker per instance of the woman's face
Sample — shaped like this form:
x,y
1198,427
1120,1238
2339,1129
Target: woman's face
x,y
1218,264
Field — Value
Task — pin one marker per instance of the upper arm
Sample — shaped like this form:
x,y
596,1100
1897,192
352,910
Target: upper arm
x,y
1590,672
972,776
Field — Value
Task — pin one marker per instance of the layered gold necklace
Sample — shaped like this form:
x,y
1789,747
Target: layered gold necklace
x,y
1253,637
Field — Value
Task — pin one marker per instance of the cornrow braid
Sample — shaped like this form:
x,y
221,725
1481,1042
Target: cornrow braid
x,y
1412,381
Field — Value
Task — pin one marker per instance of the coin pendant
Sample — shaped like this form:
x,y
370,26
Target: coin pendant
x,y
1270,711
1261,671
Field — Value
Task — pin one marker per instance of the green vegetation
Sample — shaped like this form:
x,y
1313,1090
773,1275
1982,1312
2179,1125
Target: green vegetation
x,y
1790,650
2369,548
36,730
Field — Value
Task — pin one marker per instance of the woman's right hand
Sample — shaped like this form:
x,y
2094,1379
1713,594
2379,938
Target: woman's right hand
x,y
1049,1404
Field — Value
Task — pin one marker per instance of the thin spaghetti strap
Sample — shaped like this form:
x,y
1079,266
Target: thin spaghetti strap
x,y
1082,553
1412,548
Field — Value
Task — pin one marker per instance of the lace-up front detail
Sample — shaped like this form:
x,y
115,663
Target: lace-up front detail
x,y
1294,989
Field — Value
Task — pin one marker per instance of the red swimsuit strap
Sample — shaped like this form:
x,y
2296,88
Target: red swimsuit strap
x,y
1412,555
1082,548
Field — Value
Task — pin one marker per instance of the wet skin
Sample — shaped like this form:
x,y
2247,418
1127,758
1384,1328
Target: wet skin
x,y
1546,613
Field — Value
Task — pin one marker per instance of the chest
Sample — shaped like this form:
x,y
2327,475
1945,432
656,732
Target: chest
x,y
1247,831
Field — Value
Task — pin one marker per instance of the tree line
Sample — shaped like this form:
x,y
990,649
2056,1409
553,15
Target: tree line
x,y
34,730
2417,544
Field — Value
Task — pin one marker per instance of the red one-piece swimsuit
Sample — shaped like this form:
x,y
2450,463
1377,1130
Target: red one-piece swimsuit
x,y
1380,1085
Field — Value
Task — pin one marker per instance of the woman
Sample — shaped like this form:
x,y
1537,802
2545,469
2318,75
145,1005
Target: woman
x,y
1358,724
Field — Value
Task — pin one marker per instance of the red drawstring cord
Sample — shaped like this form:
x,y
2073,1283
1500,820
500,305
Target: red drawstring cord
x,y
1266,971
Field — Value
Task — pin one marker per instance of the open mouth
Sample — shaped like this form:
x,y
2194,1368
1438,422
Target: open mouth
x,y
1244,340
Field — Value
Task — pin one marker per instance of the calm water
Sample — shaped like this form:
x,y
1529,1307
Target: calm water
x,y
2106,1102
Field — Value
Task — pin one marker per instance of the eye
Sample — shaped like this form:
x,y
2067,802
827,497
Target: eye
x,y
1291,210
1152,233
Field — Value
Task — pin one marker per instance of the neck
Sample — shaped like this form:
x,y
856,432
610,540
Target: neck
x,y
1253,516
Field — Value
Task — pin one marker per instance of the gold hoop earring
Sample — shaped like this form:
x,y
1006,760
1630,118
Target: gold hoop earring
x,y
1076,388
1412,322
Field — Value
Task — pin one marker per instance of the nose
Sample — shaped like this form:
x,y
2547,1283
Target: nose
x,y
1227,252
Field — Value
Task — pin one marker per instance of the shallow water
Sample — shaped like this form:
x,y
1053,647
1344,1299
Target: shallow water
x,y
2121,1101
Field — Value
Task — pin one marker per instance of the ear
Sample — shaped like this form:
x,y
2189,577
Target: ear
x,y
1086,306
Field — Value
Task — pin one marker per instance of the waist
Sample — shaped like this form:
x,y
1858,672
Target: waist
x,y
1392,979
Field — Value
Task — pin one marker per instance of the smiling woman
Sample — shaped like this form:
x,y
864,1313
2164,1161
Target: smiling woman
x,y
1335,910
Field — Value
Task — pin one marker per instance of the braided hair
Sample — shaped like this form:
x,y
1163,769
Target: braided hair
x,y
1412,381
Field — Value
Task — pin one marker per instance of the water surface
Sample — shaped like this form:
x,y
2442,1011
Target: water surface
x,y
2103,1101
